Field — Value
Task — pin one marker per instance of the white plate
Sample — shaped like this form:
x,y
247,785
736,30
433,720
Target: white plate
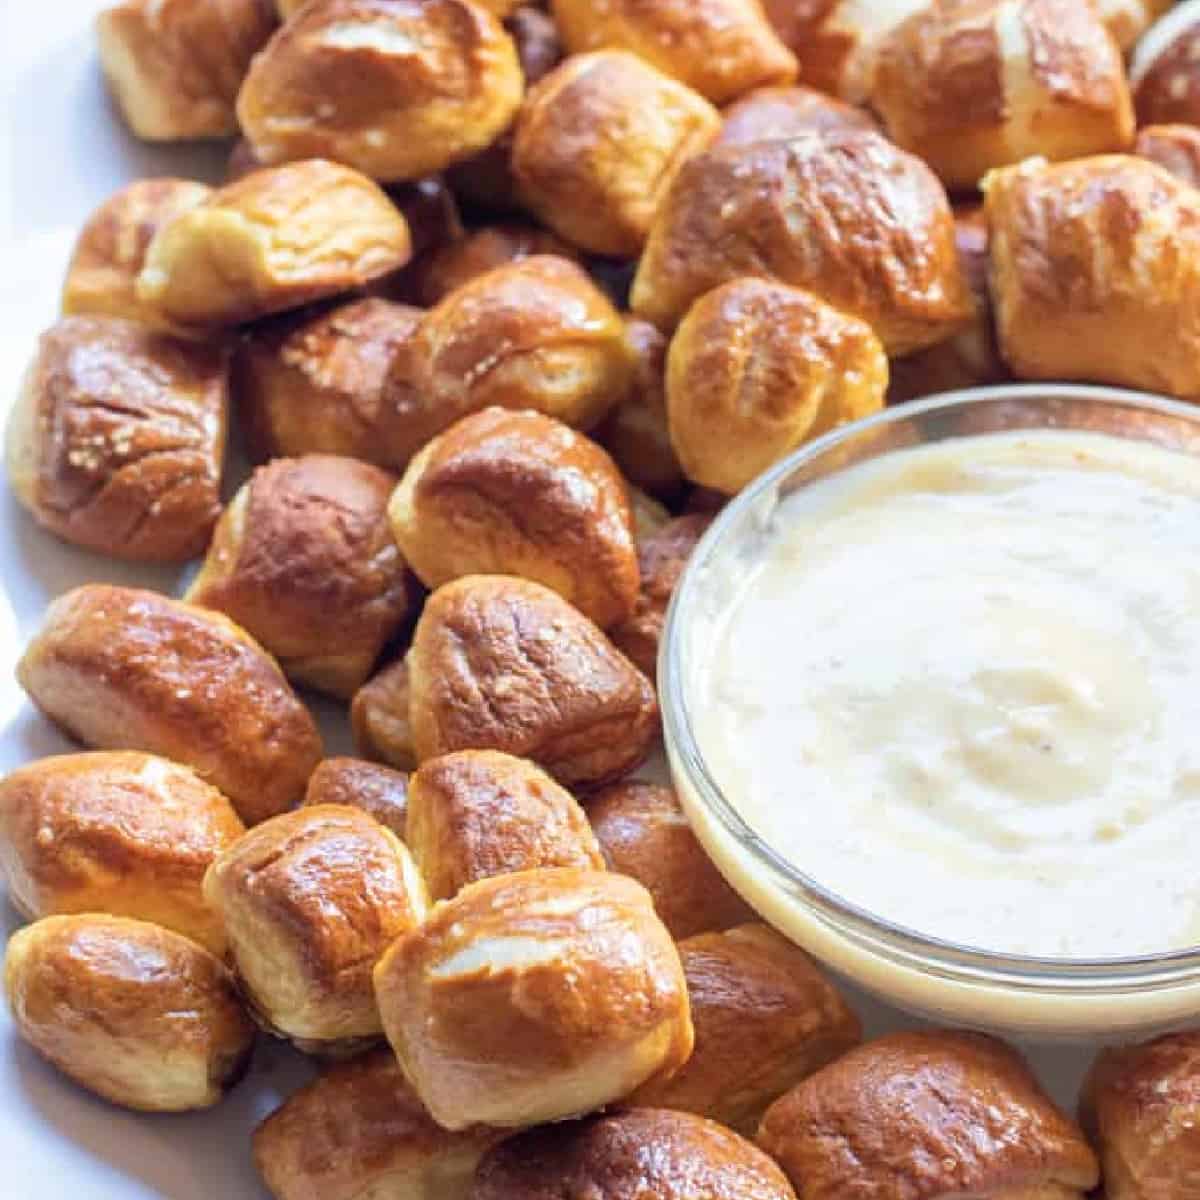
x,y
62,151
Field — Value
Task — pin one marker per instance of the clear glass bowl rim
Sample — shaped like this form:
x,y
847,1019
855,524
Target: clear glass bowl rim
x,y
952,960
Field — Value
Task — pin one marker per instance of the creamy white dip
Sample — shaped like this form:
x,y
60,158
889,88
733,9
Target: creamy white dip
x,y
959,687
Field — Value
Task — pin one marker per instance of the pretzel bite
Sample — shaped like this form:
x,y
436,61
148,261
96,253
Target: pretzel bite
x,y
486,180
434,276
845,215
535,996
598,142
304,561
125,669
1165,71
142,1016
971,357
119,832
312,383
498,8
635,432
110,250
1176,148
310,900
518,493
756,369
721,48
1095,273
357,1131
394,88
1127,20
479,813
116,440
662,556
378,791
635,1154
836,41
1141,1109
973,84
765,1019
379,718
534,334
274,239
644,834
931,1115
544,683
769,113
174,66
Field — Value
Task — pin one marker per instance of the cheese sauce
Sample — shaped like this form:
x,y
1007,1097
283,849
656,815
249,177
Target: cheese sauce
x,y
959,687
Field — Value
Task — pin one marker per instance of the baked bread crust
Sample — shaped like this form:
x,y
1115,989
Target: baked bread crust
x,y
121,668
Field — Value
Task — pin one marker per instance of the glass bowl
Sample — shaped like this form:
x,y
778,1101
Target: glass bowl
x,y
941,980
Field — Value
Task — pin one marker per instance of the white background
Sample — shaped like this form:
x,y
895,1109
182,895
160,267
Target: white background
x,y
62,151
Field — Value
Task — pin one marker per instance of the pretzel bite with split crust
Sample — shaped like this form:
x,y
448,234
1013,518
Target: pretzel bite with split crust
x,y
535,996
304,560
836,41
1141,1109
765,1019
721,48
499,663
122,833
110,250
275,239
498,8
518,493
434,276
310,900
634,1154
137,1014
379,791
312,383
844,215
379,718
534,334
125,669
973,84
1095,273
1165,71
935,1116
769,113
116,441
175,67
644,834
479,813
358,1130
758,368
1176,148
662,557
394,88
597,143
